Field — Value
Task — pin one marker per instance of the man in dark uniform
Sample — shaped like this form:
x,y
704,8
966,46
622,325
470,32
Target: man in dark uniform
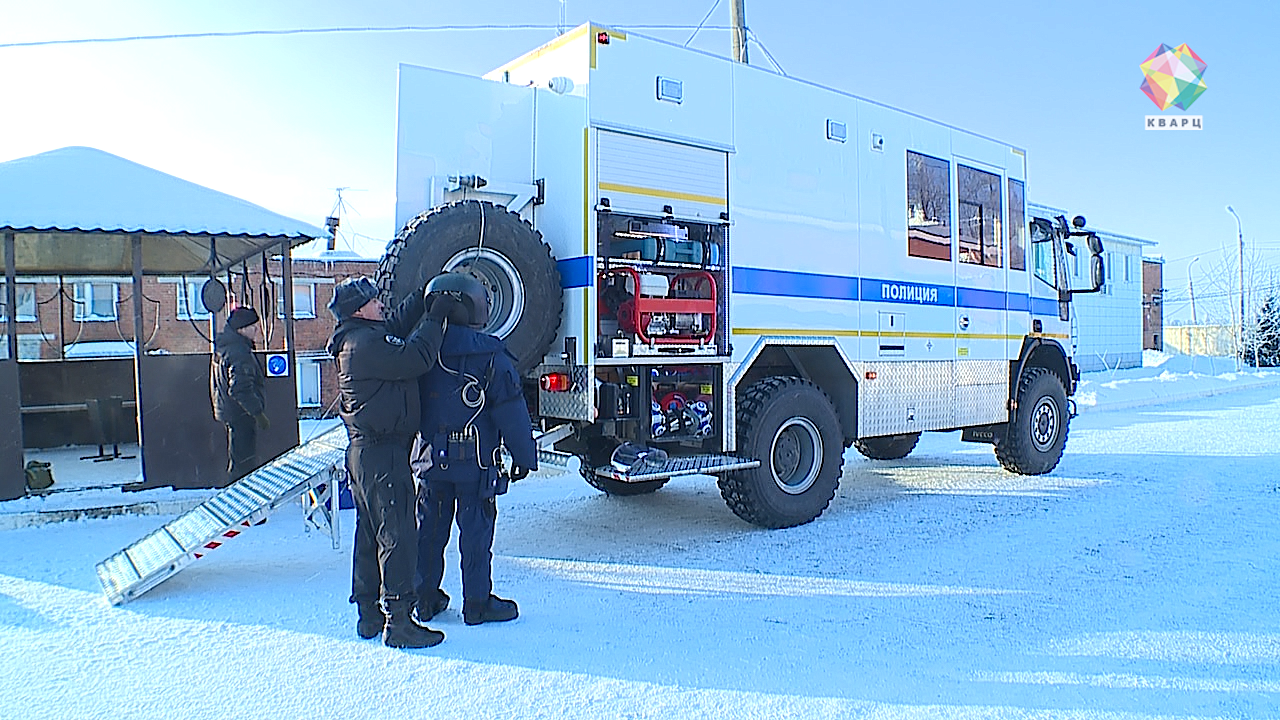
x,y
472,403
236,381
380,358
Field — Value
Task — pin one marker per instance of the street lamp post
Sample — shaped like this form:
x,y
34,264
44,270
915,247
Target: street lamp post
x,y
1191,289
1240,335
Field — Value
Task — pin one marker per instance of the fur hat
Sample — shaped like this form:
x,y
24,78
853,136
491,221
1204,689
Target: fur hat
x,y
242,317
350,295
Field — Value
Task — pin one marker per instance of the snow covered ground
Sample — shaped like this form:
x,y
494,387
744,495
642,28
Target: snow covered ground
x,y
1138,580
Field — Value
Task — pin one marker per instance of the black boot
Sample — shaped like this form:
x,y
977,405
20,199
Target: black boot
x,y
402,631
491,609
431,603
371,621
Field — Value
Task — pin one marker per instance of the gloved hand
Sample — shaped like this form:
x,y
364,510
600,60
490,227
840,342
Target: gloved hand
x,y
264,422
440,306
519,472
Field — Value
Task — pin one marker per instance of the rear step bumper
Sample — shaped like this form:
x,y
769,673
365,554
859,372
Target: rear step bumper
x,y
674,467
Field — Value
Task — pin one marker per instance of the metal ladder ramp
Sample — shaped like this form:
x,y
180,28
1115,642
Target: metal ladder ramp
x,y
163,553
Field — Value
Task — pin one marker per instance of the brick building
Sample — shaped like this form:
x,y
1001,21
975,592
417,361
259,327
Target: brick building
x,y
90,317
1152,304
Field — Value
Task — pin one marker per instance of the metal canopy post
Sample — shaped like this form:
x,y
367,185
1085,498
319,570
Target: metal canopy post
x,y
286,282
11,296
13,483
135,242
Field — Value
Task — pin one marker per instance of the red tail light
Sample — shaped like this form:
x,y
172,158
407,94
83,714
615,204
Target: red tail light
x,y
554,382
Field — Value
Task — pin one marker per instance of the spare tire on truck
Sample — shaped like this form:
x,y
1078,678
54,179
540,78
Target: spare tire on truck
x,y
503,251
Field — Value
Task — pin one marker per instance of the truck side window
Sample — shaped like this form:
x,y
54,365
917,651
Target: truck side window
x,y
928,207
979,221
1017,226
1042,253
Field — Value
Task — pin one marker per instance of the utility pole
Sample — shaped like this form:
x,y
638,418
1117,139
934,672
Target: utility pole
x,y
1191,289
1240,338
738,19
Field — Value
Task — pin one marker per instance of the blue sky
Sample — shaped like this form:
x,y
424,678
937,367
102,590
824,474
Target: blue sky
x,y
284,120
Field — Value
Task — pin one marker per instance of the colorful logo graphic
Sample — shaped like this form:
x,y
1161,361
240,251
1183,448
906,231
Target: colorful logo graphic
x,y
1174,76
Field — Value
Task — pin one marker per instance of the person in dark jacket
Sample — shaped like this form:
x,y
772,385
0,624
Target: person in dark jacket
x,y
236,382
379,359
472,403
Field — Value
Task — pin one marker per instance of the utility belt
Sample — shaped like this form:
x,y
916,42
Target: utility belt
x,y
458,447
457,456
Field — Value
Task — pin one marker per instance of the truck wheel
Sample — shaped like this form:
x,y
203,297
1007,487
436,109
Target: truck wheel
x,y
790,426
512,261
1038,431
597,454
889,447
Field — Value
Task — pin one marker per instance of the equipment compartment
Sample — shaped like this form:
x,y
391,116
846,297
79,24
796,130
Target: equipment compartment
x,y
660,287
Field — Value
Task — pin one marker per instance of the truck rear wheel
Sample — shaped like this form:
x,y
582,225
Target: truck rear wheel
x,y
790,426
889,447
1037,432
510,259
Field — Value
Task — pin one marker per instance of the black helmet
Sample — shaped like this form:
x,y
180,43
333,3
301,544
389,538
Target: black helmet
x,y
350,295
468,291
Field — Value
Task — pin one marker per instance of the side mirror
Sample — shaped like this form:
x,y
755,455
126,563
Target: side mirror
x,y
1098,273
1095,244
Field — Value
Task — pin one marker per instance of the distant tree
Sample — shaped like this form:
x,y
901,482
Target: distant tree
x,y
1262,335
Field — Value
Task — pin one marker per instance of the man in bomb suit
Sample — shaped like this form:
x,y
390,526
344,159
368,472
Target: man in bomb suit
x,y
472,403
379,358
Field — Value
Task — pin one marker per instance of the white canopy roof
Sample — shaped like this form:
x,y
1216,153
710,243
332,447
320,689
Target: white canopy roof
x,y
73,210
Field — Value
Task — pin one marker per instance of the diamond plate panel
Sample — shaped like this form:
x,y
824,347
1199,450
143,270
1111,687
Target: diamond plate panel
x,y
982,372
905,397
982,388
575,404
981,404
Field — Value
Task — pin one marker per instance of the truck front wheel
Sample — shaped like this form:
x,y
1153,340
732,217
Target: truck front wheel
x,y
1037,433
790,426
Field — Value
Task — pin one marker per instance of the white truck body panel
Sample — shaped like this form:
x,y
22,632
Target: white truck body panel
x,y
814,184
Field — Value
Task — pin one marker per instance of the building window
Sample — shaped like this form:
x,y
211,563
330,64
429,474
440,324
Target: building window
x,y
28,347
308,383
96,300
26,302
190,306
928,207
1017,226
304,300
979,222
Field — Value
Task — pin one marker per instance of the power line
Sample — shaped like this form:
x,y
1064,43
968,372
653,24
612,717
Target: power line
x,y
767,54
328,30
714,5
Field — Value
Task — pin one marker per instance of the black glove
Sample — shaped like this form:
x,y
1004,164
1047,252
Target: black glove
x,y
440,306
264,422
519,472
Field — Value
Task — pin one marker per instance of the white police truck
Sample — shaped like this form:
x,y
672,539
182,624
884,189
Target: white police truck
x,y
704,267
